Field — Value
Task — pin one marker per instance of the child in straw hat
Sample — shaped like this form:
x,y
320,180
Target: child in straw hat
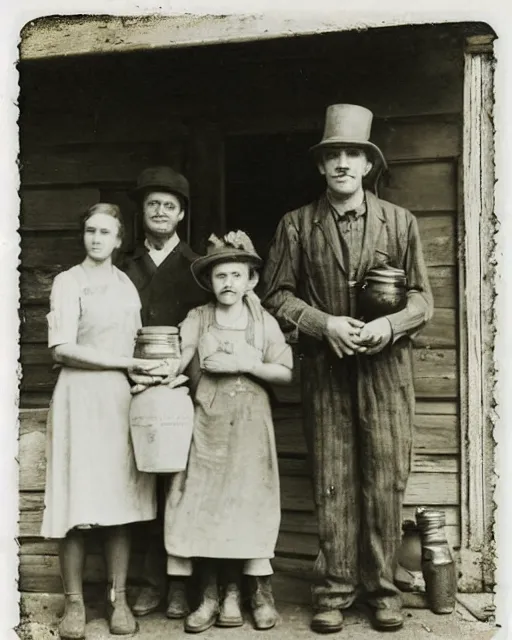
x,y
226,507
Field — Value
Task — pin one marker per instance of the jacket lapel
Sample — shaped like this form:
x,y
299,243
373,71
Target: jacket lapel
x,y
146,266
324,219
375,222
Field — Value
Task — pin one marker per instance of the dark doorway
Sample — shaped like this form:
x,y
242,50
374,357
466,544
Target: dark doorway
x,y
266,176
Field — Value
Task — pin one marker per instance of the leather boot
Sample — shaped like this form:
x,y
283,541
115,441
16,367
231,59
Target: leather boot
x,y
262,602
327,621
177,606
230,611
120,617
386,614
72,624
147,601
206,614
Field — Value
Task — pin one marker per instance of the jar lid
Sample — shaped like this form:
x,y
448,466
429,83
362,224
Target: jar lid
x,y
430,516
386,274
152,330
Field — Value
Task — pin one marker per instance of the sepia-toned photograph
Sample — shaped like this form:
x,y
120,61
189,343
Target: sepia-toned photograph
x,y
257,329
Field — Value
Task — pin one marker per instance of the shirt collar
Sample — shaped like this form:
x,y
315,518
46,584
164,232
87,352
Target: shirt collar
x,y
357,212
171,244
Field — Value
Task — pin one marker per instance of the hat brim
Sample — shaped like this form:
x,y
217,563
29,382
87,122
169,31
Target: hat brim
x,y
201,266
137,192
343,142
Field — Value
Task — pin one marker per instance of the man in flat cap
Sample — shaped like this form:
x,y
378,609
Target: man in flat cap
x,y
160,270
357,382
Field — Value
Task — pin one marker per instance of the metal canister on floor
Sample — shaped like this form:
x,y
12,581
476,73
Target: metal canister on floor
x,y
437,563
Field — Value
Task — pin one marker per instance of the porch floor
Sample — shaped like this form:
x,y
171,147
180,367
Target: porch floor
x,y
420,624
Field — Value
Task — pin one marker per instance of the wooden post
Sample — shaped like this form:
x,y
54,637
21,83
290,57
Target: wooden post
x,y
476,319
205,170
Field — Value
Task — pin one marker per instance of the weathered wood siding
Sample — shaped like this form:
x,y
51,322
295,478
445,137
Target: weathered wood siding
x,y
89,126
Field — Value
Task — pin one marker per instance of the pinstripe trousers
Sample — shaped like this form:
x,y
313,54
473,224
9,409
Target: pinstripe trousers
x,y
358,418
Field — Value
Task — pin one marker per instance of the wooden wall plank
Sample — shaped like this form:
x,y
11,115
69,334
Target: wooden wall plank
x,y
438,238
57,208
49,125
440,332
36,284
417,138
97,164
423,186
437,407
435,373
306,544
303,522
444,284
34,399
422,488
55,250
421,463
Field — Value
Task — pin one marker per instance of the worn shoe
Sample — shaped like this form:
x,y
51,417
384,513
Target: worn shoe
x,y
72,624
206,614
262,603
177,606
386,616
327,621
147,601
203,617
230,614
120,618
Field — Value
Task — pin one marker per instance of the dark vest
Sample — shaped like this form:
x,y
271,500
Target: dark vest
x,y
167,292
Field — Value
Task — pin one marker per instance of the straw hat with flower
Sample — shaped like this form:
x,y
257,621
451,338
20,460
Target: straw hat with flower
x,y
235,246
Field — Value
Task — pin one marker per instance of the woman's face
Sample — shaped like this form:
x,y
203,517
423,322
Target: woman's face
x,y
230,281
101,236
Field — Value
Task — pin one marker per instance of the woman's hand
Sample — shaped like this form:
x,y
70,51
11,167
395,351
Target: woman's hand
x,y
140,371
243,360
144,366
221,362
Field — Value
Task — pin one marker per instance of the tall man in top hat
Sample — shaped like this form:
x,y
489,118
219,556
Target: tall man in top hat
x,y
160,270
357,381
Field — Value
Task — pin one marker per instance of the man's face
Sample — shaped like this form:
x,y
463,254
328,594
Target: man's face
x,y
344,169
162,212
230,281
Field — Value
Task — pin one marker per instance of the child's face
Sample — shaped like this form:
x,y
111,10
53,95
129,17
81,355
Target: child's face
x,y
230,281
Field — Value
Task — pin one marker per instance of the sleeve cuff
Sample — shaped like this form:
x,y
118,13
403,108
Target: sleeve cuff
x,y
313,322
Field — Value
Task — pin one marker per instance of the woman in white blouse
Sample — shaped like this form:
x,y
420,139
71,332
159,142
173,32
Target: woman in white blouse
x,y
92,479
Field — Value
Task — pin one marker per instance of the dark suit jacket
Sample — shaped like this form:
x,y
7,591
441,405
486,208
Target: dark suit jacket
x,y
167,292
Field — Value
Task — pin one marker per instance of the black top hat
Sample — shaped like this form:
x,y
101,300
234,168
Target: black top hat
x,y
162,179
349,125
